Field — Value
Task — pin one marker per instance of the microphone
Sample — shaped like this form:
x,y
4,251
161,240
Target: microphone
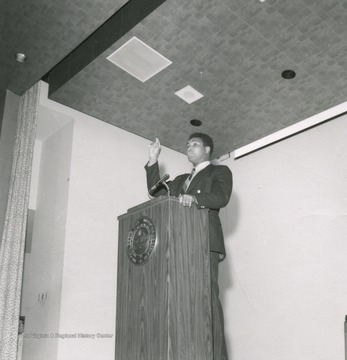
x,y
159,183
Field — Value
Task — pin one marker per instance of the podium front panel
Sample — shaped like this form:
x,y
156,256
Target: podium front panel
x,y
164,303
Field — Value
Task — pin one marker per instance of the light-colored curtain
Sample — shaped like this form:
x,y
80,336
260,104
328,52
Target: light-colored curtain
x,y
13,239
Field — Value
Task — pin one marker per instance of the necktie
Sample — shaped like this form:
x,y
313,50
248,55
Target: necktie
x,y
187,182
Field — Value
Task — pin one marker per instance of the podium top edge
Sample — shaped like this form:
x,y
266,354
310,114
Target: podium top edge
x,y
148,203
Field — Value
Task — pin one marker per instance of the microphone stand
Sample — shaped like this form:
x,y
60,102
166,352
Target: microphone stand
x,y
167,188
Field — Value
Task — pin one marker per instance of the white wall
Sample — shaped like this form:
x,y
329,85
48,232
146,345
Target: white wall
x,y
107,177
42,282
284,283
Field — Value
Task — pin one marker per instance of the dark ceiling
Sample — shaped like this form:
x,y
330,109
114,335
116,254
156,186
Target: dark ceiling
x,y
231,51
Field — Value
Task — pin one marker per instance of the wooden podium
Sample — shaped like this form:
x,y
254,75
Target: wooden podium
x,y
163,285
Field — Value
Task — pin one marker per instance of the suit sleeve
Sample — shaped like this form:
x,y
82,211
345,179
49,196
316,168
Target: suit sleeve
x,y
217,190
153,176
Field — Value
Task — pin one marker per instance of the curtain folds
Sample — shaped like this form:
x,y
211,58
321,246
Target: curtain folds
x,y
13,240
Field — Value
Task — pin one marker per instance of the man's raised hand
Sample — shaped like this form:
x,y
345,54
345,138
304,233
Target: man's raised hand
x,y
154,151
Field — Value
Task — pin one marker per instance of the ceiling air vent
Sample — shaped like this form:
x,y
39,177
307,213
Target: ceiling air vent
x,y
189,94
139,60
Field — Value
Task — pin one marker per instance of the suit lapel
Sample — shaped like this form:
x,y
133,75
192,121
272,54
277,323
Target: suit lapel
x,y
200,175
178,189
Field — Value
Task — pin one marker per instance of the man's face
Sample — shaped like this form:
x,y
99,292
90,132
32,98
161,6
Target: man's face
x,y
196,152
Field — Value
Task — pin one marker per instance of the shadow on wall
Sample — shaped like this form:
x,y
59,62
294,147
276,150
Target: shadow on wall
x,y
230,219
231,214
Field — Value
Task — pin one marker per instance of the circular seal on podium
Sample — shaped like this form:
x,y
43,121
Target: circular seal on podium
x,y
141,240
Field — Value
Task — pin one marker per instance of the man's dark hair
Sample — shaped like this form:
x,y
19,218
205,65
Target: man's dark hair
x,y
206,140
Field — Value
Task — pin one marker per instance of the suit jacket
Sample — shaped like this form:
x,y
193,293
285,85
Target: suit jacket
x,y
212,188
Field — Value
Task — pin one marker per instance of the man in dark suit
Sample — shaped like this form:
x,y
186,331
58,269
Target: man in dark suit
x,y
208,186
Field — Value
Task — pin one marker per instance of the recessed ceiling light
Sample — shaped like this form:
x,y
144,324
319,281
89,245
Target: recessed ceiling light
x,y
21,57
189,94
288,74
196,122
